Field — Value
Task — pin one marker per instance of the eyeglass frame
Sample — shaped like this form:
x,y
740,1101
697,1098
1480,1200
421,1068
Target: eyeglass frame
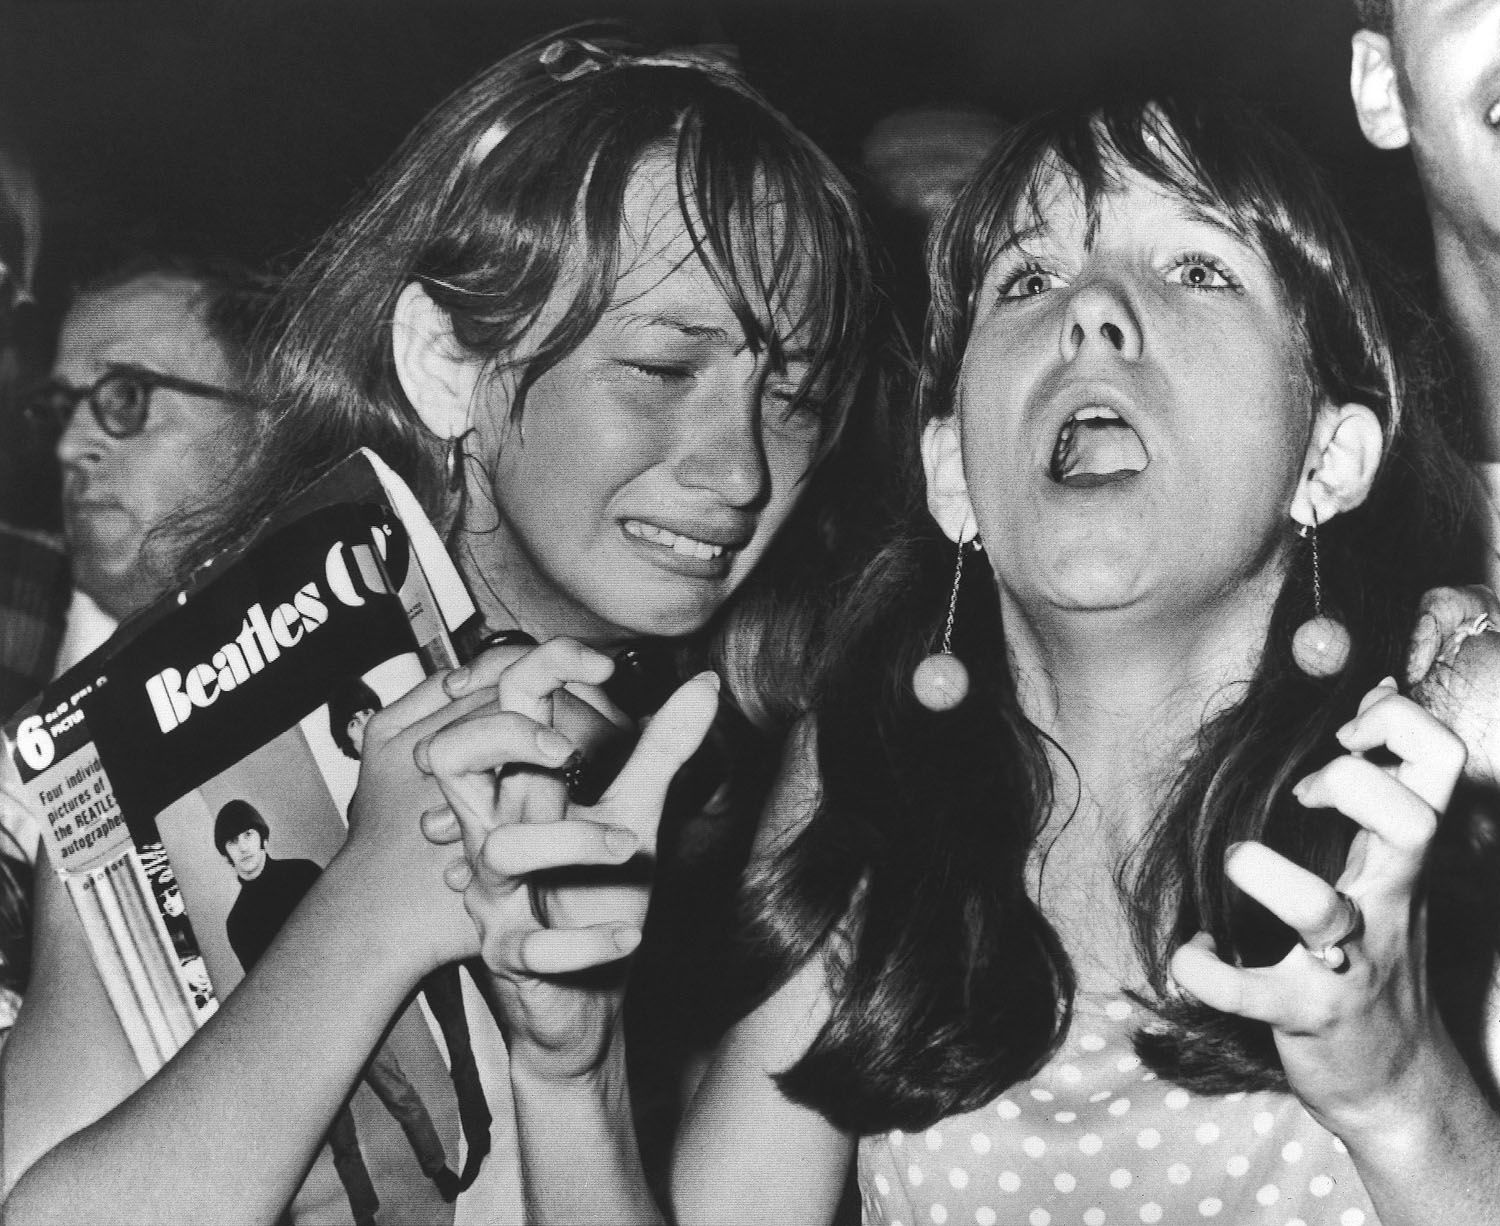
x,y
41,401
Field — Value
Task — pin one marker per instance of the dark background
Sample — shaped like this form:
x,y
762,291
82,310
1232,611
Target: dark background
x,y
243,126
250,122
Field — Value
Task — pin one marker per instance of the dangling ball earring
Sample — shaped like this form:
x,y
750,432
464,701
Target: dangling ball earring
x,y
1321,645
941,681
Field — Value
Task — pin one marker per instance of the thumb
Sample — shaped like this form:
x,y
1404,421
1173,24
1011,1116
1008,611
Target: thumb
x,y
670,739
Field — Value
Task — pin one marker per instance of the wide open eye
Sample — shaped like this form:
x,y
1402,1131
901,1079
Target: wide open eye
x,y
1029,281
1202,272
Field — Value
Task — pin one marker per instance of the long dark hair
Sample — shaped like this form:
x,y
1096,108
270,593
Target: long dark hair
x,y
949,985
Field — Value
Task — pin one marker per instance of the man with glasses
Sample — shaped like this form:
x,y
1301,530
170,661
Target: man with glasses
x,y
147,393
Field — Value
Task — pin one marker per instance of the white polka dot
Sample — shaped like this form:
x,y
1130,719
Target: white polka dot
x,y
882,1185
958,1178
1206,1133
1117,1009
1352,1217
1268,1195
1263,1123
1320,1185
980,1143
1070,1073
1237,1166
914,1175
1120,1178
1210,1206
1148,1138
984,1216
1150,1212
1292,1151
938,1214
1093,1217
1099,1095
1090,1143
1120,1106
1178,1173
1009,1181
1064,1182
1066,1117
1126,1063
1006,1109
1033,1147
1043,1096
934,1139
1176,1099
1040,1217
1091,1042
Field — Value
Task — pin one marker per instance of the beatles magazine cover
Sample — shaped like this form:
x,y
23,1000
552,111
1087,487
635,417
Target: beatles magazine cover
x,y
195,776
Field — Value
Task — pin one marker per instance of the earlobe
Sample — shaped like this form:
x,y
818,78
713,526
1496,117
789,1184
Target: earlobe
x,y
437,376
1375,89
1341,462
947,490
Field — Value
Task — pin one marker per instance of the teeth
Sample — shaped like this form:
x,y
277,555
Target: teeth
x,y
1096,445
685,545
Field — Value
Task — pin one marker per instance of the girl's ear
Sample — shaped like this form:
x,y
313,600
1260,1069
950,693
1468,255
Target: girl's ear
x,y
947,491
1375,87
1339,468
438,377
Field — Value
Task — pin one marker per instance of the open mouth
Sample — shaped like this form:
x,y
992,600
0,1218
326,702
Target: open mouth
x,y
1096,446
687,546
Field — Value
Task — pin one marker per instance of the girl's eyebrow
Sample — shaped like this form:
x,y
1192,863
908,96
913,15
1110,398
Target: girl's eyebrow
x,y
1021,237
709,332
677,323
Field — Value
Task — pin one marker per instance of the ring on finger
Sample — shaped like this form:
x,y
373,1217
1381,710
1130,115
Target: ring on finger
x,y
1332,953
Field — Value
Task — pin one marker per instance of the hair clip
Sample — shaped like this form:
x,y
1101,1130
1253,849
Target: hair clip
x,y
567,59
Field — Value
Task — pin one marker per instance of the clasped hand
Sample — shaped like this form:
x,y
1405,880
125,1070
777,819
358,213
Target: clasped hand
x,y
1349,1007
508,808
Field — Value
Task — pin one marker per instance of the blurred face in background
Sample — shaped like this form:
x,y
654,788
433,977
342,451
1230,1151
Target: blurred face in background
x,y
116,490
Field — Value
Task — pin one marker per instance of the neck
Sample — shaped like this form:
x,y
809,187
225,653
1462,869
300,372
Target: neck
x,y
1124,695
1469,272
540,611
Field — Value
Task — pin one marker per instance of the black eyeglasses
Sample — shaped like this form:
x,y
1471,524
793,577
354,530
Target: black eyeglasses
x,y
119,399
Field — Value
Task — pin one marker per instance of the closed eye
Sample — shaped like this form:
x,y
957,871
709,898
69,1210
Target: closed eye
x,y
666,372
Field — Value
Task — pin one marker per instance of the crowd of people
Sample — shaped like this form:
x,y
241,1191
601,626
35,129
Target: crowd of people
x,y
1057,748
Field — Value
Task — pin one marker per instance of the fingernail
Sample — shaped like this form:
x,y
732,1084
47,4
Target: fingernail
x,y
1299,789
552,745
457,681
422,755
626,938
621,841
1387,683
1229,852
1341,734
711,677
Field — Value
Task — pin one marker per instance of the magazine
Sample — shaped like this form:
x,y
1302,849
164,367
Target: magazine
x,y
194,776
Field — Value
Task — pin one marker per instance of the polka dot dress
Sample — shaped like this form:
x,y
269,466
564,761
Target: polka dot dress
x,y
1095,1139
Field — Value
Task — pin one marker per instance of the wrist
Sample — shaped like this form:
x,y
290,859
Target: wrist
x,y
389,940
